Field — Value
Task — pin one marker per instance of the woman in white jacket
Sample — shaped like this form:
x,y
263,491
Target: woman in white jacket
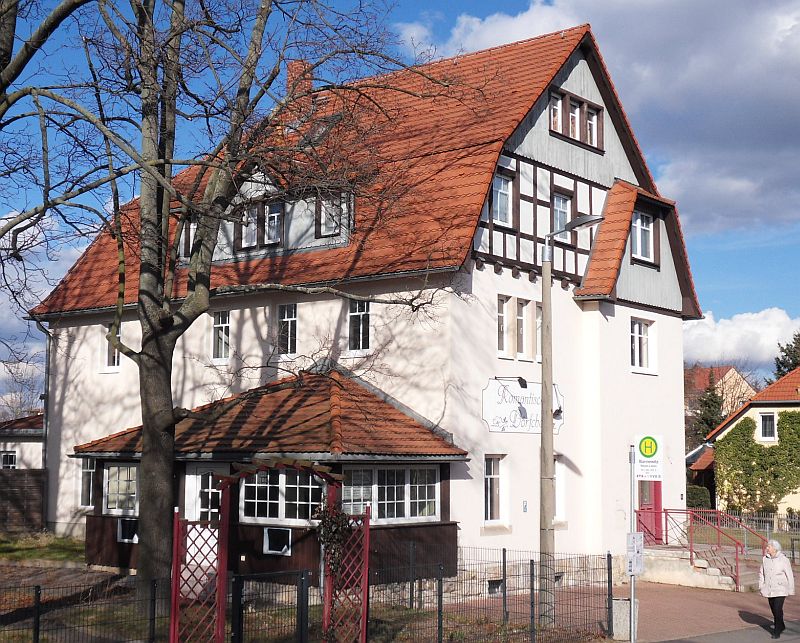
x,y
776,582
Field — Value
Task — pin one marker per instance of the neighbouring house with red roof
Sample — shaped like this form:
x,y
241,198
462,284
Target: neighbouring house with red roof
x,y
731,386
22,473
425,414
21,441
766,409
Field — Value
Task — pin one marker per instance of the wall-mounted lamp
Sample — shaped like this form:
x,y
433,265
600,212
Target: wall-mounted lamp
x,y
523,383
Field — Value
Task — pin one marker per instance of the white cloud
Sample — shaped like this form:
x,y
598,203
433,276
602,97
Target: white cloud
x,y
710,88
747,339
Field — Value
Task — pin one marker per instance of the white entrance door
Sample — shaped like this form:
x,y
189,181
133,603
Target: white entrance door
x,y
203,499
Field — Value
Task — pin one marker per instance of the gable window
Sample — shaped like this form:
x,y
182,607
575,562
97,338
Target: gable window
x,y
112,359
87,482
491,488
221,335
562,206
261,225
768,427
282,494
121,489
502,323
642,236
287,329
555,112
394,493
328,214
640,349
8,460
501,199
576,119
358,325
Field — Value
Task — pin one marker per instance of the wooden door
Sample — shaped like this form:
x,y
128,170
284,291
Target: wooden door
x,y
650,514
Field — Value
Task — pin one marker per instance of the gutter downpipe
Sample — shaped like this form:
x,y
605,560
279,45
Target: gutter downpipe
x,y
45,417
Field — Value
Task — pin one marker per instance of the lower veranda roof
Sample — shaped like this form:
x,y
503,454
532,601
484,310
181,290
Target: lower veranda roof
x,y
309,413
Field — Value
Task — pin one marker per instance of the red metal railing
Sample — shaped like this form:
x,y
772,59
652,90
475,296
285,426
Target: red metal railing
x,y
678,527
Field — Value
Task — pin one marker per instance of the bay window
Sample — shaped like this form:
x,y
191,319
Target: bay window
x,y
395,493
121,493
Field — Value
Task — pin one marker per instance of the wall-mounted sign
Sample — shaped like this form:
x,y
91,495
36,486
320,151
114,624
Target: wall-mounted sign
x,y
649,461
509,408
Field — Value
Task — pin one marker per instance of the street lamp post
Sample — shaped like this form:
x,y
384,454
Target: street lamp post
x,y
547,491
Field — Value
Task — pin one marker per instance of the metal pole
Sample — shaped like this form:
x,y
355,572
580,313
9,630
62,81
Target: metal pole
x,y
153,590
237,622
37,612
302,607
632,460
505,592
440,605
533,601
547,464
610,594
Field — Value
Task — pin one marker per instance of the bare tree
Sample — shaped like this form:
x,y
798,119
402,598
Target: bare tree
x,y
218,95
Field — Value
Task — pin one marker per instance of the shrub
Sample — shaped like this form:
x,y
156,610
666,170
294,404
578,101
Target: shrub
x,y
697,497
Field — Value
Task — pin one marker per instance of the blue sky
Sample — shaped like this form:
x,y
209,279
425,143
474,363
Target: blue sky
x,y
712,90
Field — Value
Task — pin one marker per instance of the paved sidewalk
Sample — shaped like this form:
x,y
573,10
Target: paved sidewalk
x,y
676,613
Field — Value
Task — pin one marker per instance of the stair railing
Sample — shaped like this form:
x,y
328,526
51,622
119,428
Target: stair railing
x,y
682,524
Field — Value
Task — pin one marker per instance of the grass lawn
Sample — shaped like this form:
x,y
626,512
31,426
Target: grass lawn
x,y
40,546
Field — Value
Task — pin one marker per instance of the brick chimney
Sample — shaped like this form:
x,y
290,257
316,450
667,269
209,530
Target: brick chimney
x,y
299,80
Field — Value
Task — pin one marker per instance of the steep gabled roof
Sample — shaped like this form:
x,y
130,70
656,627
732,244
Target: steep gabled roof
x,y
785,391
697,377
600,279
310,413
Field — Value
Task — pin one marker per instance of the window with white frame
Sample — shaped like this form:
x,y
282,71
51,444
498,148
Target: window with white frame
x,y
640,338
522,327
87,482
112,355
329,216
591,126
642,236
187,240
127,530
574,120
394,493
287,329
283,494
768,427
501,199
221,335
358,325
502,323
120,495
8,460
274,223
491,488
555,112
250,236
562,206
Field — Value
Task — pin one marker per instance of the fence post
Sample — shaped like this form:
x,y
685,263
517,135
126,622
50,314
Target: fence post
x,y
793,541
533,601
237,623
37,605
412,552
505,590
153,592
440,605
302,607
610,594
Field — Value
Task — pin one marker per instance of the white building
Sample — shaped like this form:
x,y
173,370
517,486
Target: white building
x,y
547,142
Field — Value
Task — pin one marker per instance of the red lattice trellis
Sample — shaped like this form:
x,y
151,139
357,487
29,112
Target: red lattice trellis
x,y
344,617
199,578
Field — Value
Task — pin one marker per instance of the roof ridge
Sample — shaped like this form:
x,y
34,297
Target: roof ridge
x,y
335,383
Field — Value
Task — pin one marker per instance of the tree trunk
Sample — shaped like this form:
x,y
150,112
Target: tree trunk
x,y
156,473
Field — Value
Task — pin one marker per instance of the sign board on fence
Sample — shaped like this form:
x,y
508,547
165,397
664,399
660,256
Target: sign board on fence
x,y
635,553
649,463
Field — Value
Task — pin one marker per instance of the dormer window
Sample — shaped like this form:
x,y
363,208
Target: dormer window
x,y
642,236
261,225
501,200
187,238
329,214
576,119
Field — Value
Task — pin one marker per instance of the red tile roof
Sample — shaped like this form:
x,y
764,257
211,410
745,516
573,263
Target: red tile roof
x,y
605,261
785,390
696,378
309,413
28,425
705,461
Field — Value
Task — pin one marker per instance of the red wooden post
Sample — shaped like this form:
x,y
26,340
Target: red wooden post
x,y
222,563
175,585
691,538
328,580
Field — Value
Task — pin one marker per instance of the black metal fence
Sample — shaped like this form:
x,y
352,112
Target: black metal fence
x,y
492,595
